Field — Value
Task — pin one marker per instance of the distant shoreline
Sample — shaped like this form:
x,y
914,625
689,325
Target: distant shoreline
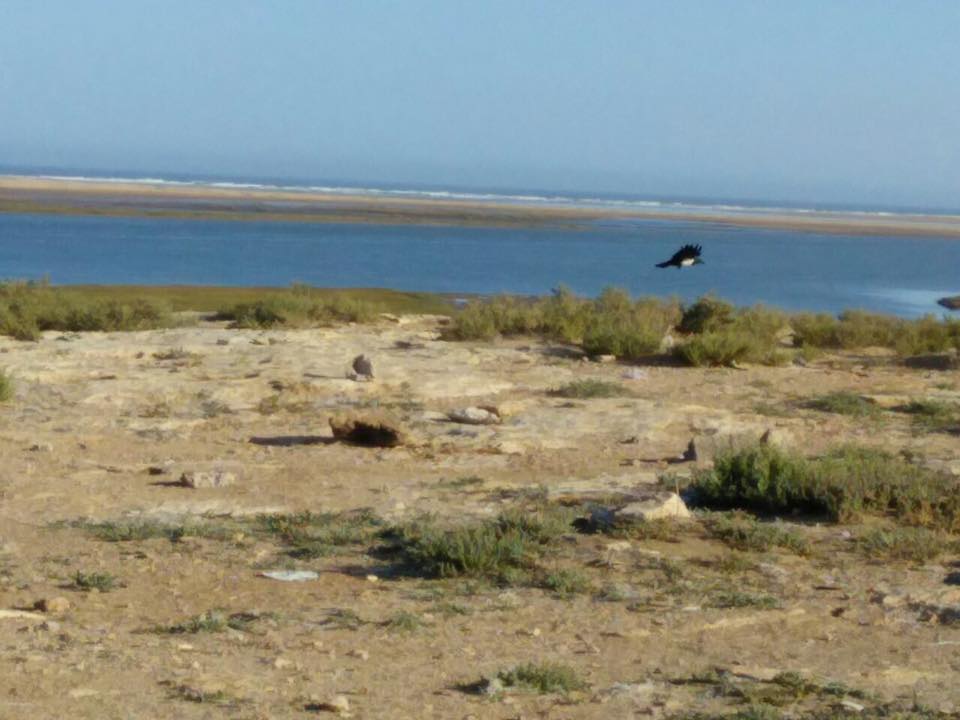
x,y
29,194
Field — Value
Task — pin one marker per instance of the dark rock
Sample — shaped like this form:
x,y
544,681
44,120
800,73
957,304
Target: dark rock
x,y
362,368
375,429
950,303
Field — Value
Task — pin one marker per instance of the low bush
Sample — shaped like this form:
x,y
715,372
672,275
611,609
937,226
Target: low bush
x,y
612,324
29,308
843,403
854,329
503,550
842,485
542,678
586,389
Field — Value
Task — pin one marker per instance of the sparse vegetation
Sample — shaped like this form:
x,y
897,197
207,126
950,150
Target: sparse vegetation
x,y
310,535
543,678
99,581
504,550
404,622
854,329
6,386
914,544
933,415
743,532
566,582
212,621
738,599
301,306
591,388
133,530
612,324
844,403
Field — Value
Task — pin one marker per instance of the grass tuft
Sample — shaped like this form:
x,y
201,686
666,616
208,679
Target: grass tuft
x,y
6,386
743,532
844,403
102,582
543,678
591,388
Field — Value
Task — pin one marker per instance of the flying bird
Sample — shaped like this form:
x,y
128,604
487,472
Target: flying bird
x,y
684,257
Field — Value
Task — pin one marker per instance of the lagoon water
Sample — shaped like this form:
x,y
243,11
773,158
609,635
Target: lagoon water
x,y
784,268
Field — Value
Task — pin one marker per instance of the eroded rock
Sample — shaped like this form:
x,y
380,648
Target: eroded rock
x,y
373,429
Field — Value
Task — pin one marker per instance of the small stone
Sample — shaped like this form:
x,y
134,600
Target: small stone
x,y
208,479
604,358
359,654
474,416
851,705
50,626
41,447
281,663
372,578
53,606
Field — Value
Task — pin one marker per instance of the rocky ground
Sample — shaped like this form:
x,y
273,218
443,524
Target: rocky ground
x,y
107,432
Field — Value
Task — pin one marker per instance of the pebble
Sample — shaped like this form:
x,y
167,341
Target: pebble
x,y
41,447
360,654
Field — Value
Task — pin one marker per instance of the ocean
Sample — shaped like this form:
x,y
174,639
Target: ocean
x,y
783,268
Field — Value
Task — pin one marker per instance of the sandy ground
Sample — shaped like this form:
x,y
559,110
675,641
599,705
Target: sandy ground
x,y
32,194
93,413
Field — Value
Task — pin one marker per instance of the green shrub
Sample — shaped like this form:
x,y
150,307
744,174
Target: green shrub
x,y
722,336
29,308
543,678
717,349
913,544
585,389
844,403
858,329
502,549
612,324
841,484
707,314
6,386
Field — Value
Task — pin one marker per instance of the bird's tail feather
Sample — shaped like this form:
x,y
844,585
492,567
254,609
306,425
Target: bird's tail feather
x,y
663,264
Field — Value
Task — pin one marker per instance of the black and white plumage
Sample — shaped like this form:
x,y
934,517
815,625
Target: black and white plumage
x,y
686,256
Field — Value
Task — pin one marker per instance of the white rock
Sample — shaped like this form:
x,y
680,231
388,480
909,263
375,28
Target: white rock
x,y
655,507
474,416
208,479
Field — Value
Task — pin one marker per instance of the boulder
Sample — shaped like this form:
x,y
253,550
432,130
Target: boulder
x,y
370,429
640,507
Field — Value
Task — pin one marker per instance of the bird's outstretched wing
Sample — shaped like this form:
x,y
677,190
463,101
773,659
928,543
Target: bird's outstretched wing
x,y
687,252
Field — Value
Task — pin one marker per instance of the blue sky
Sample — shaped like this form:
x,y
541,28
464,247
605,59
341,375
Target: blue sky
x,y
851,101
